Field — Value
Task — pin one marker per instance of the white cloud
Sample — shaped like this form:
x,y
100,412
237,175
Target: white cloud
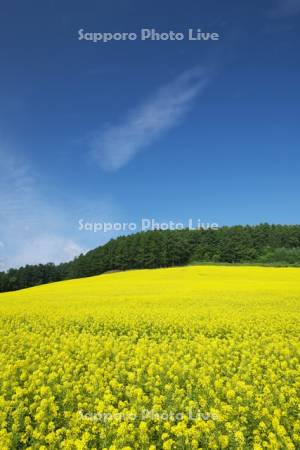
x,y
285,8
45,248
119,143
29,226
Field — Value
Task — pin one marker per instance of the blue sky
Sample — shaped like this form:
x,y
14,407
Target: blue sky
x,y
124,130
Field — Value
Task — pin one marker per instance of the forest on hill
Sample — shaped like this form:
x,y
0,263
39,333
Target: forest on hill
x,y
260,244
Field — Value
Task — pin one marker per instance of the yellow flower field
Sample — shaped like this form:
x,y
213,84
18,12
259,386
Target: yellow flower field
x,y
183,358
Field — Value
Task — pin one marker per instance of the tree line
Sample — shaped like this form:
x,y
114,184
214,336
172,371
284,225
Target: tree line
x,y
260,244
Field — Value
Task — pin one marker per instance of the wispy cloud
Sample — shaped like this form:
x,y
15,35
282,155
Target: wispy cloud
x,y
36,227
116,145
285,8
45,248
29,229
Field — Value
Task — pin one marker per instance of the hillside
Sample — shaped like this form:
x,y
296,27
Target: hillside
x,y
204,284
261,244
191,357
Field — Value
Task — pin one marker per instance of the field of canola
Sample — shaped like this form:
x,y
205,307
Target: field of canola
x,y
184,358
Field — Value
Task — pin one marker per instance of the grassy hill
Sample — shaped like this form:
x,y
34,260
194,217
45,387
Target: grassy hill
x,y
180,358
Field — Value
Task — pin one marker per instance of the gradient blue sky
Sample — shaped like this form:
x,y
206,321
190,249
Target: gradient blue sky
x,y
124,130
